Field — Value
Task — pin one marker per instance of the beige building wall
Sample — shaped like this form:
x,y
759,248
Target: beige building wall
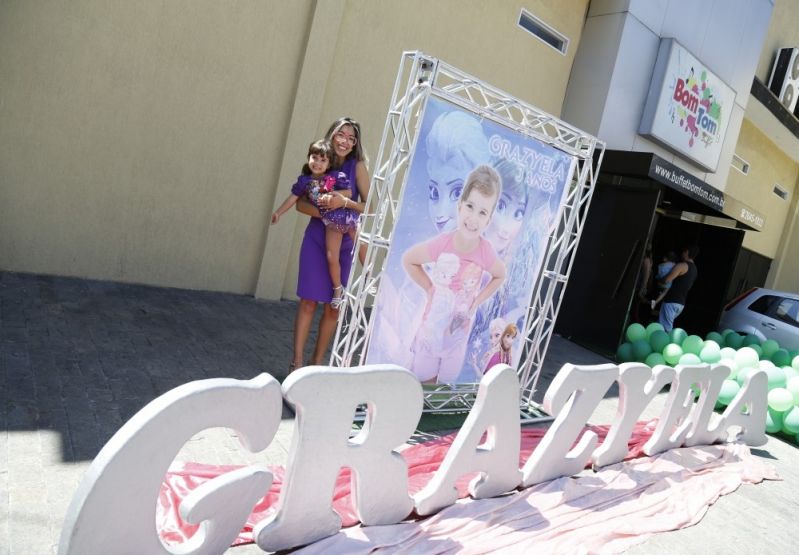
x,y
149,141
784,273
140,141
480,38
768,166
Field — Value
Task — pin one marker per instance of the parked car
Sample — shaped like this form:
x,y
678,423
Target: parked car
x,y
766,313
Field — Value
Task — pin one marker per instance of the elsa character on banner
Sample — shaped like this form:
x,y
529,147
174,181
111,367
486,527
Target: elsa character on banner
x,y
476,256
455,146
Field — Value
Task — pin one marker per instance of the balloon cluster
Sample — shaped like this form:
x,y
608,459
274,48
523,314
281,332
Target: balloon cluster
x,y
743,353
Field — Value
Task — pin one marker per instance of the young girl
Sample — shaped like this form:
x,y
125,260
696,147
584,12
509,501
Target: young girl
x,y
503,355
476,255
317,179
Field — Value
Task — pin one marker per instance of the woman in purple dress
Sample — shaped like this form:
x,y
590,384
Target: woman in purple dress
x,y
314,285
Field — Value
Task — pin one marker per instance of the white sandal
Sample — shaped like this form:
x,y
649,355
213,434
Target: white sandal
x,y
338,297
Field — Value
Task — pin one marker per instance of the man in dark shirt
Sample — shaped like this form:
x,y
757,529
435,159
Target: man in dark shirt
x,y
682,278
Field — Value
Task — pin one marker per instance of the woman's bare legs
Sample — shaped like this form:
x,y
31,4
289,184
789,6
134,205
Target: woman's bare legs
x,y
302,327
333,251
327,326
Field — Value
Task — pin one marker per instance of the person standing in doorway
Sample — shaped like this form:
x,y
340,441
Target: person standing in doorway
x,y
681,278
642,286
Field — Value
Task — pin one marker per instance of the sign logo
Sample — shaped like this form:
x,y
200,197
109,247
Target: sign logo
x,y
696,108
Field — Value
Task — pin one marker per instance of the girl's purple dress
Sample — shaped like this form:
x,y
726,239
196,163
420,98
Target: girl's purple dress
x,y
313,282
343,220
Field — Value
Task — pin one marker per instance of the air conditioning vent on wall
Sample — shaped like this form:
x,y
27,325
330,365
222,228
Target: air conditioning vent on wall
x,y
784,79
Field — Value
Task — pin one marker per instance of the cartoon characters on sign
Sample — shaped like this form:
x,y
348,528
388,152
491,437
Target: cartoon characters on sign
x,y
475,256
455,146
443,337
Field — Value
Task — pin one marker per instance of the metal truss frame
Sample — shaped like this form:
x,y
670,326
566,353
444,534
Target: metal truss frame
x,y
419,77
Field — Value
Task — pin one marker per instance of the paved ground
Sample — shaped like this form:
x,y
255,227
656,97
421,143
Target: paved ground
x,y
79,357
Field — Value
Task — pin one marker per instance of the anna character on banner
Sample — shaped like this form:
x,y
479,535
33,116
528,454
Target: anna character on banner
x,y
442,361
495,330
504,354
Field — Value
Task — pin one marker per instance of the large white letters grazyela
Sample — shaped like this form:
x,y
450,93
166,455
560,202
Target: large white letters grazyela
x,y
118,494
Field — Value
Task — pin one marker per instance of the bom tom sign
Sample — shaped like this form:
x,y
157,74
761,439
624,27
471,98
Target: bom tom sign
x,y
688,106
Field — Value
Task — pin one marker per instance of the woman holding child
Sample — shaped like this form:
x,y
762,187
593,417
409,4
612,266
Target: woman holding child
x,y
314,284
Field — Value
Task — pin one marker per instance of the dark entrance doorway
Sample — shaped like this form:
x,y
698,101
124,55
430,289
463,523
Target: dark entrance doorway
x,y
631,208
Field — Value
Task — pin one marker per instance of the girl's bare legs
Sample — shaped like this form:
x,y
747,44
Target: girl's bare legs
x,y
302,327
327,326
333,250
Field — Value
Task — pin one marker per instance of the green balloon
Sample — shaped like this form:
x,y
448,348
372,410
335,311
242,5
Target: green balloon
x,y
641,349
672,353
795,362
780,357
726,332
654,359
792,385
678,335
715,336
729,389
658,340
790,421
746,356
710,353
740,377
770,347
728,353
790,372
776,377
780,399
625,352
750,340
692,344
758,349
773,421
734,340
652,328
635,332
689,358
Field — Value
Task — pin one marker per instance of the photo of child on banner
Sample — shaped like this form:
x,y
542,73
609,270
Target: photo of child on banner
x,y
492,196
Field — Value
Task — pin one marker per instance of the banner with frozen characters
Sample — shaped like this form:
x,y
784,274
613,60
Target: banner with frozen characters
x,y
476,213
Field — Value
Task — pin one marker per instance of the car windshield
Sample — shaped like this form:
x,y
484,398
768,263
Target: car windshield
x,y
787,312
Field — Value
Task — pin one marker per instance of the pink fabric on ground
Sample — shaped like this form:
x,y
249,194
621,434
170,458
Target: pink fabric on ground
x,y
423,460
604,512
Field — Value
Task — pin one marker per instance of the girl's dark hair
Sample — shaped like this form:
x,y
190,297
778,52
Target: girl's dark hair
x,y
357,151
321,147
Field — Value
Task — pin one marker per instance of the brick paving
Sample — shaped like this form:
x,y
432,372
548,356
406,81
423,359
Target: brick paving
x,y
78,358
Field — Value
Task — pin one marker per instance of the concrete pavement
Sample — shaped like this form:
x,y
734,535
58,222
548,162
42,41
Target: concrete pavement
x,y
79,357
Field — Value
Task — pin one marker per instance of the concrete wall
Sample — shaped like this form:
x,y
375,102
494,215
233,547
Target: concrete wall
x,y
783,32
768,166
149,141
481,38
613,70
139,140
